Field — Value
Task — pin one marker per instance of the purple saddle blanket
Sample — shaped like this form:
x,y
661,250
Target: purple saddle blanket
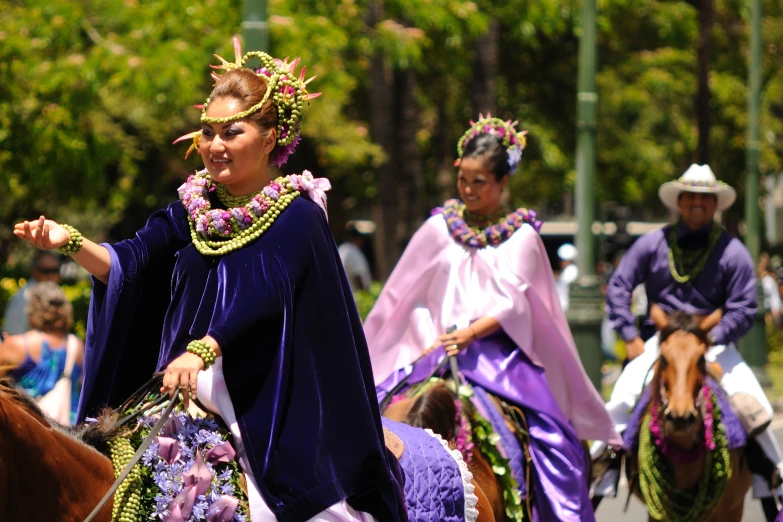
x,y
436,481
731,424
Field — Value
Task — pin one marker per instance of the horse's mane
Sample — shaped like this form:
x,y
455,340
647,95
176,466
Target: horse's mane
x,y
435,410
686,323
95,434
10,392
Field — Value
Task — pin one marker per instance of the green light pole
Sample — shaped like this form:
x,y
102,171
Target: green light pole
x,y
754,345
255,28
585,312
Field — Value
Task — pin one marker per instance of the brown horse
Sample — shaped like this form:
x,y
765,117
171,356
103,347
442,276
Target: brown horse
x,y
47,472
676,385
435,409
52,473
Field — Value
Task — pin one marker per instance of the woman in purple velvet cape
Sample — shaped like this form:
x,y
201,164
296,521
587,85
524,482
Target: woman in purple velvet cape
x,y
270,300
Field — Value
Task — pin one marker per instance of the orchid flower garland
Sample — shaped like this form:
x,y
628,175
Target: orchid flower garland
x,y
189,473
463,440
453,212
220,231
675,453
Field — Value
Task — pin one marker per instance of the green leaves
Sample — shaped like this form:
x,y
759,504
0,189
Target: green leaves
x,y
92,94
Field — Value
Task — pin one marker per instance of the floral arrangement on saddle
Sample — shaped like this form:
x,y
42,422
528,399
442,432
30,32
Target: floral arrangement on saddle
x,y
188,473
472,431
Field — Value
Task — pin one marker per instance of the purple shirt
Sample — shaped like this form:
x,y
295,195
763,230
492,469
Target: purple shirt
x,y
727,281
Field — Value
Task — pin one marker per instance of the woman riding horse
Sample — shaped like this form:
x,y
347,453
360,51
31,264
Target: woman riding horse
x,y
237,291
478,267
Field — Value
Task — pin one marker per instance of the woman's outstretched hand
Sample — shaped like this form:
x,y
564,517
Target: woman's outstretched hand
x,y
44,233
182,374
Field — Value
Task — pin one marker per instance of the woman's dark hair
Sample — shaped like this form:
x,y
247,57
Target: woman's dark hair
x,y
248,89
489,148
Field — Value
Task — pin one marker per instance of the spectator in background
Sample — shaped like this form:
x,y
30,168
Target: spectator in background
x,y
44,267
568,273
771,291
356,266
46,361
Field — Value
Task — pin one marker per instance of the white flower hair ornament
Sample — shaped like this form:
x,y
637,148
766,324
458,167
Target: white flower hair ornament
x,y
514,141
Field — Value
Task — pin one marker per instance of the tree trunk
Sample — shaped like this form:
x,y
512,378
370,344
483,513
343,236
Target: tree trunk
x,y
485,70
706,10
447,153
382,132
411,187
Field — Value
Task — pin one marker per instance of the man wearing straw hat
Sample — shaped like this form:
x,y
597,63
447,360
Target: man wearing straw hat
x,y
696,267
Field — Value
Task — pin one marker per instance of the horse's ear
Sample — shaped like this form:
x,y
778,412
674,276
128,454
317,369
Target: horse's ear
x,y
711,321
659,317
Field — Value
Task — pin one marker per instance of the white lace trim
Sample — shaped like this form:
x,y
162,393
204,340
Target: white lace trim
x,y
471,500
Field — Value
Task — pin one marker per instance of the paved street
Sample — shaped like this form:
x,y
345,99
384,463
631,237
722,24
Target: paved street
x,y
611,510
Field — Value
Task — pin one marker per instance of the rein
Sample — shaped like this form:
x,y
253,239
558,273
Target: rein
x,y
400,385
144,444
452,360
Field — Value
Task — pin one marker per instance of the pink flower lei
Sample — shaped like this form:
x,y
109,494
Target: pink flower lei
x,y
463,441
225,223
453,209
674,453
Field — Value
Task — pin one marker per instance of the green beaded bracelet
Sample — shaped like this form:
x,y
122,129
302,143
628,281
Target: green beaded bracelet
x,y
204,351
74,244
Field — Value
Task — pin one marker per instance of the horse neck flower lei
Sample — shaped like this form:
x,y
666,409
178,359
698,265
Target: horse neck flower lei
x,y
664,499
220,231
674,453
463,441
454,211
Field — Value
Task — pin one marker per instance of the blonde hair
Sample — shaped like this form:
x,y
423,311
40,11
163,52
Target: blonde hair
x,y
48,309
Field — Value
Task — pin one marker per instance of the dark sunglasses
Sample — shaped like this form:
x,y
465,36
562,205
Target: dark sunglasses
x,y
54,270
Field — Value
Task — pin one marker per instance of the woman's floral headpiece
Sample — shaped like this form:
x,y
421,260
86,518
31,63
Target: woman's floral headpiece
x,y
288,94
513,141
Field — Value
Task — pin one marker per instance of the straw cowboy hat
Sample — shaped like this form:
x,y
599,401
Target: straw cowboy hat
x,y
698,178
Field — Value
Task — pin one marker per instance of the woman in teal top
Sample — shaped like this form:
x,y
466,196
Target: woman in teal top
x,y
37,359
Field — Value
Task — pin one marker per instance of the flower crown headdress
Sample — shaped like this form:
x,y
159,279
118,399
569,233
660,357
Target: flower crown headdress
x,y
288,94
513,141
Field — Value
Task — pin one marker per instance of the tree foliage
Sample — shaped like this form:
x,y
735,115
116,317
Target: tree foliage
x,y
93,93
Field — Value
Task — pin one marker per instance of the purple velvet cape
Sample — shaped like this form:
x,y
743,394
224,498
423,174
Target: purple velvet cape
x,y
294,355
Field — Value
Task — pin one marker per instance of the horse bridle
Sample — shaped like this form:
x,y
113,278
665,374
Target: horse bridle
x,y
144,443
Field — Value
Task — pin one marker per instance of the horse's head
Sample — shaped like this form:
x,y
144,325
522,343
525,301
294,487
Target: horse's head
x,y
680,372
436,409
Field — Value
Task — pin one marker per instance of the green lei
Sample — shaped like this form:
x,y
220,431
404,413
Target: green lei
x,y
685,266
667,502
